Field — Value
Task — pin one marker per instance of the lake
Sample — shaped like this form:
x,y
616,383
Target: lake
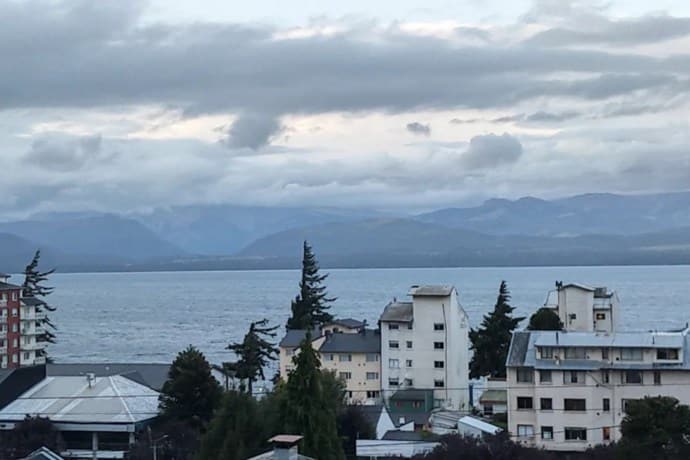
x,y
149,317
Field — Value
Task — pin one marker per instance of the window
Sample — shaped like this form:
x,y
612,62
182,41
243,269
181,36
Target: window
x,y
393,327
27,355
394,363
438,345
631,354
372,375
576,434
345,375
14,296
546,404
488,409
345,358
545,376
579,405
547,433
15,343
409,382
408,344
525,375
408,363
15,358
525,431
372,357
439,383
393,382
575,353
373,394
547,353
524,402
632,377
606,404
439,364
657,378
667,354
605,354
605,377
15,312
416,404
15,328
601,316
606,433
439,402
439,326
573,377
409,326
2,343
393,344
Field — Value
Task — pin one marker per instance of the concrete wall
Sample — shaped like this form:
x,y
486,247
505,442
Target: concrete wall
x,y
358,385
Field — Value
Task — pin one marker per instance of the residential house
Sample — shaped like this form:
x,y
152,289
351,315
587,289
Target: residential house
x,y
568,390
494,399
425,346
583,308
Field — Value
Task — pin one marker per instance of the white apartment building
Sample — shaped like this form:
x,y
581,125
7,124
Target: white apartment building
x,y
583,308
425,346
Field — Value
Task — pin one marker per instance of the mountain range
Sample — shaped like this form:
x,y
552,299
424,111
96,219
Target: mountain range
x,y
579,230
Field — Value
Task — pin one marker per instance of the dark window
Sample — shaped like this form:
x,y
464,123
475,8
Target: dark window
x,y
525,375
547,432
575,404
631,354
667,353
393,382
524,402
606,403
575,353
576,434
409,326
601,316
373,394
409,344
573,377
393,344
393,327
545,376
546,403
657,378
604,353
408,363
408,382
416,404
606,433
438,345
439,365
439,383
547,353
605,376
439,326
632,377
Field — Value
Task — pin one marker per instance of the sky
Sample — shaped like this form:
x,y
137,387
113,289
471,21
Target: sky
x,y
408,105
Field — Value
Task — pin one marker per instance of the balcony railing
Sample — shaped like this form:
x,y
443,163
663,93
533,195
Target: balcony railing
x,y
32,346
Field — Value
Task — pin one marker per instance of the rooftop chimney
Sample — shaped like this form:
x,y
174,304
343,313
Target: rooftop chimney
x,y
285,446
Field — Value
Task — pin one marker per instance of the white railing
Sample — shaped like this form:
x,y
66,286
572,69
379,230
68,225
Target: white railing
x,y
32,346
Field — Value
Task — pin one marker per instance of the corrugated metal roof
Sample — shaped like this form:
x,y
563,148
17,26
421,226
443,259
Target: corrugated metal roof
x,y
368,341
153,375
400,312
431,290
478,424
518,348
109,400
294,337
613,340
8,287
350,323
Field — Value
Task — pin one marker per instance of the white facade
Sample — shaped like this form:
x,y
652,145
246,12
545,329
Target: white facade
x,y
582,308
425,345
568,390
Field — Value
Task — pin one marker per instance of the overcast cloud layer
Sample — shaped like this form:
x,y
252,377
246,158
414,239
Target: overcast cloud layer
x,y
101,110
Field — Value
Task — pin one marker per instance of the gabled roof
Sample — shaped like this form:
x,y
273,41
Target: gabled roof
x,y
152,375
578,286
518,348
349,323
107,400
400,312
412,395
43,454
32,301
294,337
431,290
367,341
8,287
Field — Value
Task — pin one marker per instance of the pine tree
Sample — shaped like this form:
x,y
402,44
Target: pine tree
x,y
191,393
491,341
545,319
254,353
310,307
34,291
309,410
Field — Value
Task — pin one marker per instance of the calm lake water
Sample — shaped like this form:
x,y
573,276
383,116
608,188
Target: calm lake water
x,y
149,317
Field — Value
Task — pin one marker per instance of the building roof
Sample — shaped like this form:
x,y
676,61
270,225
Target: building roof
x,y
578,286
108,400
494,396
400,312
478,424
348,322
43,454
371,413
612,340
286,439
32,301
431,290
152,375
8,286
397,435
518,348
367,341
407,416
294,337
412,394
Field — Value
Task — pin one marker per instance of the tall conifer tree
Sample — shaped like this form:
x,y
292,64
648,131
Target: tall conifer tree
x,y
310,307
254,352
491,341
34,291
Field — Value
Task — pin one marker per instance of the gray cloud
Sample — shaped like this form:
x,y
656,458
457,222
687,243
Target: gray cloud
x,y
253,131
491,150
542,116
62,153
419,129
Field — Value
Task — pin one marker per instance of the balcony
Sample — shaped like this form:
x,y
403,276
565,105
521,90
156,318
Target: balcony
x,y
40,315
3,319
40,360
28,317
32,346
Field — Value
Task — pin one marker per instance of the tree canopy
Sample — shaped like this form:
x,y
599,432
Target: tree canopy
x,y
545,319
254,352
491,341
28,435
34,288
191,393
310,307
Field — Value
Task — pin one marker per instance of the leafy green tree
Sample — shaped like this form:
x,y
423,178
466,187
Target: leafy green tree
x,y
254,352
235,433
34,291
491,341
28,435
310,307
309,409
545,319
352,425
191,393
655,428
